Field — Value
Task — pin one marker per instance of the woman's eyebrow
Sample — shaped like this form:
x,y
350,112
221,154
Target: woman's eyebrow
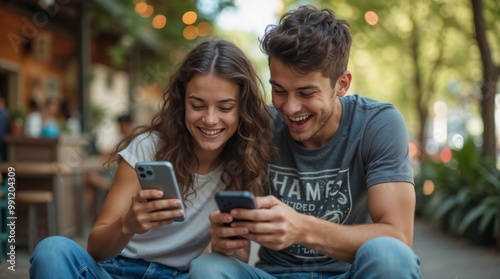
x,y
220,101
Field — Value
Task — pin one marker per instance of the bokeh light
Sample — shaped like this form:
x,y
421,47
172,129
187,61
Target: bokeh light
x,y
143,9
445,155
204,28
190,32
371,17
159,21
429,187
189,17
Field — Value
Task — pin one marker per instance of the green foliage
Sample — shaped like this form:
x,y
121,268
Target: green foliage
x,y
97,114
117,19
466,193
16,114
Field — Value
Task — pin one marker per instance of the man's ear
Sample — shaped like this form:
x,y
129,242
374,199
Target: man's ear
x,y
344,82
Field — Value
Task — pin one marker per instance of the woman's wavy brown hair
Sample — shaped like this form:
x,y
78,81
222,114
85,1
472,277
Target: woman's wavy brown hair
x,y
246,154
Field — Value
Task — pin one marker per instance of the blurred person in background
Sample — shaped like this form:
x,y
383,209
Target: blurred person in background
x,y
33,121
50,115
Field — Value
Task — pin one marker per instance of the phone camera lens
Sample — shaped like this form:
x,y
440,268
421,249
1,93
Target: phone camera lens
x,y
149,172
143,175
140,169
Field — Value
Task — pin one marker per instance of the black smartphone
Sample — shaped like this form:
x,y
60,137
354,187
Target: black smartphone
x,y
160,175
227,200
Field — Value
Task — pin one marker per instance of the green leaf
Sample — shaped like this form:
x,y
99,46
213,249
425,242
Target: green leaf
x,y
470,217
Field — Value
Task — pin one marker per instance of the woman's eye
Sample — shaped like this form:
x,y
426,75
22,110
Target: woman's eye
x,y
197,107
224,109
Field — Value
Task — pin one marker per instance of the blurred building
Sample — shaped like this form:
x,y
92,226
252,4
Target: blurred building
x,y
51,50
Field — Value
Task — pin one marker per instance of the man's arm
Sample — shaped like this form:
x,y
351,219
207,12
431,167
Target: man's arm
x,y
392,207
278,226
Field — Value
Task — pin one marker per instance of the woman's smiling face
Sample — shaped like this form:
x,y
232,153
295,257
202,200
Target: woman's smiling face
x,y
212,113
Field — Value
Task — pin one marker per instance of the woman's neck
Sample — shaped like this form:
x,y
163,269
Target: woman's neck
x,y
208,162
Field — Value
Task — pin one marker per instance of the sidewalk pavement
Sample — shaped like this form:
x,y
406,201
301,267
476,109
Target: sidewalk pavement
x,y
441,257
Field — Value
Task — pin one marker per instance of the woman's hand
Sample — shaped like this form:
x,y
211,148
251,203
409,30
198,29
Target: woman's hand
x,y
149,211
221,235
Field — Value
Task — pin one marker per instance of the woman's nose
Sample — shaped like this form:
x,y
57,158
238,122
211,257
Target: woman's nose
x,y
210,118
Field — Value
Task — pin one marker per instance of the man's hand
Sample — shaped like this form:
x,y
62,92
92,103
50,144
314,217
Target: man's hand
x,y
274,224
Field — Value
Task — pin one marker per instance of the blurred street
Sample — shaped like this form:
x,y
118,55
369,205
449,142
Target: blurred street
x,y
442,257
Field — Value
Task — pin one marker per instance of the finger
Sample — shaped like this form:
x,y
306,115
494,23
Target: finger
x,y
228,246
145,195
161,204
163,215
266,201
218,218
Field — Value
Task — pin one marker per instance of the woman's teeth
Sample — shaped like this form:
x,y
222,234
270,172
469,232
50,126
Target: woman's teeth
x,y
298,119
211,132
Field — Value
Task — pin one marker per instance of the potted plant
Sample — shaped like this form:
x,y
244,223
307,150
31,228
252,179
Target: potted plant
x,y
16,118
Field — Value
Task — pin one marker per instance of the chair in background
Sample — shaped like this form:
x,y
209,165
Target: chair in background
x,y
33,199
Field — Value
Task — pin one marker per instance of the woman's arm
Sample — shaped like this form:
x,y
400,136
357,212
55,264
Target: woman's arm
x,y
126,212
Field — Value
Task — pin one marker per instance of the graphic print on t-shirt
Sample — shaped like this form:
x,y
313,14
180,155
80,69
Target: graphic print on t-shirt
x,y
325,194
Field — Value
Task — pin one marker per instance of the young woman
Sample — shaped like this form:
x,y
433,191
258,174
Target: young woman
x,y
214,127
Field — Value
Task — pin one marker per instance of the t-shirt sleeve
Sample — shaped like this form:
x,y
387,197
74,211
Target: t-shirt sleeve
x,y
386,148
142,148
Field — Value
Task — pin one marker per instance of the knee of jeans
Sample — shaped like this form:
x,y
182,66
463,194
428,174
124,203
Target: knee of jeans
x,y
53,246
389,252
210,264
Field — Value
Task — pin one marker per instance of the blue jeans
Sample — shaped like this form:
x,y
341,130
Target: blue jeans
x,y
382,257
60,257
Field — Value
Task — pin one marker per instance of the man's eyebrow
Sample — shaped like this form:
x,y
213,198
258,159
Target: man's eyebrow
x,y
274,83
305,87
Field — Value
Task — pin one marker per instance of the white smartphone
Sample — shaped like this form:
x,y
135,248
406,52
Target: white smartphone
x,y
160,175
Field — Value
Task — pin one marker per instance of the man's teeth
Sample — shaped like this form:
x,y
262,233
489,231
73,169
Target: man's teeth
x,y
211,132
297,119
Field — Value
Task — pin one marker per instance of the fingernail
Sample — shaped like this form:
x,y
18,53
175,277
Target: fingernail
x,y
159,193
177,202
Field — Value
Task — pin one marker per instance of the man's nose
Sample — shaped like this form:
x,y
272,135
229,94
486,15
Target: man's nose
x,y
292,105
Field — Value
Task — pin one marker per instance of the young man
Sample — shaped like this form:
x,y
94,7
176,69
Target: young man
x,y
342,197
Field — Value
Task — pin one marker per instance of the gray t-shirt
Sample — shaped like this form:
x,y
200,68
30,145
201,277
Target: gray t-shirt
x,y
331,182
177,244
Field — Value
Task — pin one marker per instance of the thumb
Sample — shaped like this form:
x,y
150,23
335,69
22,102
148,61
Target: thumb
x,y
267,201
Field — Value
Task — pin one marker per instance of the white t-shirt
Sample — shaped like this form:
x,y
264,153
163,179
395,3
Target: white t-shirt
x,y
177,244
33,125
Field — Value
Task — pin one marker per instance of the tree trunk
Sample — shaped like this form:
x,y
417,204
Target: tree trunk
x,y
488,88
